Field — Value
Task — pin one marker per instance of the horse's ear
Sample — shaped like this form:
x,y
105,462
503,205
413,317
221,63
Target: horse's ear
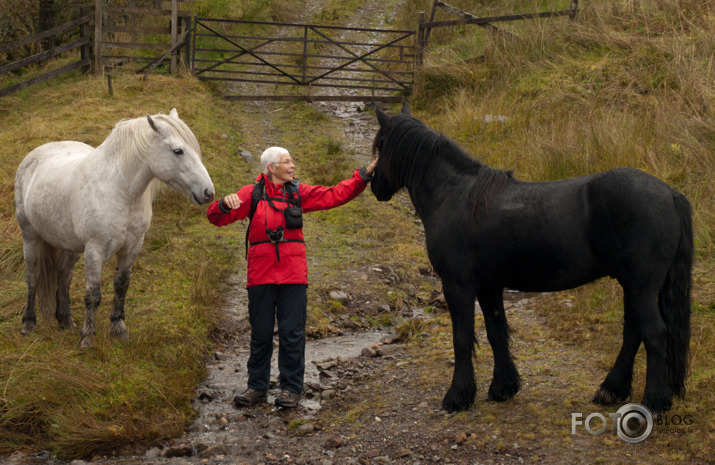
x,y
151,123
174,113
382,117
406,109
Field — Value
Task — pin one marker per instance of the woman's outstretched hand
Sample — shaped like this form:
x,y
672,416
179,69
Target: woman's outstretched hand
x,y
371,167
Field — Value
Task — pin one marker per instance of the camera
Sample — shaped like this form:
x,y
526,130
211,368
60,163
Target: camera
x,y
293,217
275,236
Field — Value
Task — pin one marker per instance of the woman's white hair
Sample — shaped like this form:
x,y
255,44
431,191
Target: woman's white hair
x,y
272,155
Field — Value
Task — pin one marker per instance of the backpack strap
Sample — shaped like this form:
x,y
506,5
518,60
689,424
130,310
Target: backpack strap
x,y
258,191
291,187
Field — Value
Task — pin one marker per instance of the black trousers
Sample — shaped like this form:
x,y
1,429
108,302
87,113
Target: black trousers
x,y
289,303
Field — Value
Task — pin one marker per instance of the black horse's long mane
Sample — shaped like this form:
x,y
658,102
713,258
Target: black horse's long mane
x,y
408,150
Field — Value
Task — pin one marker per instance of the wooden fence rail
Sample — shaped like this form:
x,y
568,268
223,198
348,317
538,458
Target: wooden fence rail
x,y
133,35
363,64
425,26
83,42
360,63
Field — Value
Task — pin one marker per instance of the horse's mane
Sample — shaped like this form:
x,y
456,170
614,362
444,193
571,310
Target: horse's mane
x,y
131,143
407,149
132,137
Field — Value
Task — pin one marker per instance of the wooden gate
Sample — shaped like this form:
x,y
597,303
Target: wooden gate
x,y
301,62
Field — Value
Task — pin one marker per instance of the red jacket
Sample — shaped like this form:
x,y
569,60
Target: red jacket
x,y
263,264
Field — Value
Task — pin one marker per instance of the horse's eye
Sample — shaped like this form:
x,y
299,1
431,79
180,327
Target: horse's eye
x,y
178,152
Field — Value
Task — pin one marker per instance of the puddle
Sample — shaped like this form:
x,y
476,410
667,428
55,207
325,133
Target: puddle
x,y
228,375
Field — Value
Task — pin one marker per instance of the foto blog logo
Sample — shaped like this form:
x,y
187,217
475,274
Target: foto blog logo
x,y
633,423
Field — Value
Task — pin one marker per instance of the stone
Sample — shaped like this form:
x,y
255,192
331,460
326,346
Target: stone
x,y
460,438
333,441
339,296
327,364
246,155
384,351
182,450
390,339
368,352
402,452
306,428
215,450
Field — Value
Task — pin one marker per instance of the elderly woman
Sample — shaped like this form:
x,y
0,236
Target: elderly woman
x,y
277,267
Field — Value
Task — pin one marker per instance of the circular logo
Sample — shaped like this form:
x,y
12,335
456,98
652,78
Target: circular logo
x,y
634,423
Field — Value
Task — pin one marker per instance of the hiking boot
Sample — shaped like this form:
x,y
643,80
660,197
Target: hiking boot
x,y
250,397
287,399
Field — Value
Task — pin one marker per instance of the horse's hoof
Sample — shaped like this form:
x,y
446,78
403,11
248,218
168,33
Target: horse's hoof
x,y
606,397
86,343
450,406
657,404
68,325
457,402
504,391
27,328
495,396
119,330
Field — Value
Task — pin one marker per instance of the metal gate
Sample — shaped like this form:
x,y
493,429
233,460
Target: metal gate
x,y
300,62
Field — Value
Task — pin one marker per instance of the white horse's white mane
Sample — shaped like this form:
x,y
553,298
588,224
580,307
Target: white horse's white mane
x,y
131,137
130,141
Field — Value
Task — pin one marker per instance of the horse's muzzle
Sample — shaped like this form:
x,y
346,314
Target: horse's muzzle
x,y
206,197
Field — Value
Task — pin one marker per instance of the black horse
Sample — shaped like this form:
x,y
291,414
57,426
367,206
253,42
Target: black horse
x,y
487,231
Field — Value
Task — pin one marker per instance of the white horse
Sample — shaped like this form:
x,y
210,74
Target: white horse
x,y
72,198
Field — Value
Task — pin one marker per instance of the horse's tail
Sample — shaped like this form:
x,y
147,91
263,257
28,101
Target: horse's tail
x,y
46,289
674,300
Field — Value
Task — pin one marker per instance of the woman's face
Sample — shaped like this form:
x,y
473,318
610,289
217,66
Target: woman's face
x,y
281,172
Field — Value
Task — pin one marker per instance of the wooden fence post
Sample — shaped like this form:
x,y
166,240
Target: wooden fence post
x,y
194,30
84,33
187,42
420,37
174,29
97,36
304,60
431,18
